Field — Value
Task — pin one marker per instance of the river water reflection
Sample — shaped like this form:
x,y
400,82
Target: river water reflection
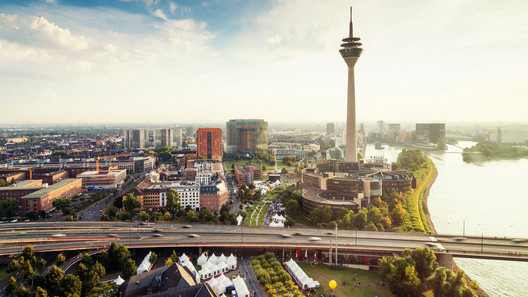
x,y
492,199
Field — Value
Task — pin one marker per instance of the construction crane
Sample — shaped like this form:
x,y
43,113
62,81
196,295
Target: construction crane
x,y
107,157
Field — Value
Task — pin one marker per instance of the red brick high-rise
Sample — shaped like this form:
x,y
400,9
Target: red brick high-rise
x,y
209,143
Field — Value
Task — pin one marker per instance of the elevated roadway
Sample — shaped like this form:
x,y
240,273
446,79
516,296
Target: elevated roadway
x,y
63,236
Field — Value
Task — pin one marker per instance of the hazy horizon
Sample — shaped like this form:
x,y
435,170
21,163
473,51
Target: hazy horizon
x,y
157,62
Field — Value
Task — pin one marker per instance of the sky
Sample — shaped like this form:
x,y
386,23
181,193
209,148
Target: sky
x,y
175,61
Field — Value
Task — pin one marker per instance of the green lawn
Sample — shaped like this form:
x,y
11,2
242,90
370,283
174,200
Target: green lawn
x,y
4,274
370,281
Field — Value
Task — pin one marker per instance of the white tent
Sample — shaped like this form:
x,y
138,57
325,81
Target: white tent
x,y
222,258
205,273
145,264
279,224
299,276
239,220
213,259
240,287
281,218
220,286
212,282
183,259
212,267
119,280
223,267
232,262
202,259
225,280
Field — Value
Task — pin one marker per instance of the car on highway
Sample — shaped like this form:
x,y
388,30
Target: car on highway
x,y
187,226
314,238
286,235
518,240
193,235
58,235
459,238
158,235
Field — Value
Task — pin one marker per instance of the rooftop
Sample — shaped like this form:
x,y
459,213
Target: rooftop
x,y
52,188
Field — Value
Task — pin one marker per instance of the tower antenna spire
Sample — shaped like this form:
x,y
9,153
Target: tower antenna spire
x,y
351,31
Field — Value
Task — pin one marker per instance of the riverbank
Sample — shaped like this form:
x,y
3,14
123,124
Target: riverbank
x,y
426,196
478,289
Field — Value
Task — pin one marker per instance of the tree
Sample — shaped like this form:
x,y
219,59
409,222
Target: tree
x,y
60,259
326,214
397,215
54,278
173,202
445,283
91,280
28,252
143,215
62,204
292,207
153,258
117,255
129,268
401,277
9,207
11,286
284,171
13,266
3,183
190,216
252,186
131,203
71,285
315,215
22,291
99,269
169,262
107,289
41,264
40,292
360,219
424,261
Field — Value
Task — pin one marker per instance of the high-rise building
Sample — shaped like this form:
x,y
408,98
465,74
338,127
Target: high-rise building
x,y
135,138
499,136
209,143
430,132
166,137
247,135
350,52
381,129
330,128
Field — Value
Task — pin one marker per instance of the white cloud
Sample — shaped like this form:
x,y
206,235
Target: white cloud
x,y
172,7
283,64
159,13
148,3
52,33
50,1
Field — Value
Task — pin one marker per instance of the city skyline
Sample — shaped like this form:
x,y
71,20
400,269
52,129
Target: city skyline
x,y
104,62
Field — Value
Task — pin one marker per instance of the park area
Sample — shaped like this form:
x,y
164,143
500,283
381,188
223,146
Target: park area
x,y
346,278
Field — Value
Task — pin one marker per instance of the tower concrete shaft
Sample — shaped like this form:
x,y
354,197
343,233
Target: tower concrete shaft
x,y
350,52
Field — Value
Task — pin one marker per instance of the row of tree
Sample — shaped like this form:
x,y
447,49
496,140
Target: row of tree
x,y
86,282
417,271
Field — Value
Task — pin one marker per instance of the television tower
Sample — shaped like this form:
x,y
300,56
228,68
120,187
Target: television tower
x,y
350,52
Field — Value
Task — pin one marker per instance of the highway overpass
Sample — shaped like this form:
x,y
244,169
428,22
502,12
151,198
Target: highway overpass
x,y
64,236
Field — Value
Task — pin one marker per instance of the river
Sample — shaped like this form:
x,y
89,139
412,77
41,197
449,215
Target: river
x,y
491,199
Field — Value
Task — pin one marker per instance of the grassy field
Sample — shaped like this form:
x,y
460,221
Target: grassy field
x,y
3,273
369,281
